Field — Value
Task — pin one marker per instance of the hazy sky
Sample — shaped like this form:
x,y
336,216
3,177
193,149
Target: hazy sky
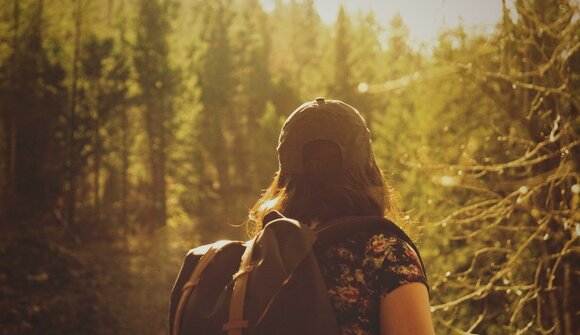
x,y
425,18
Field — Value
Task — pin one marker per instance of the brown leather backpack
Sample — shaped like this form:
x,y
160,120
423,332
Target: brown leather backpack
x,y
270,285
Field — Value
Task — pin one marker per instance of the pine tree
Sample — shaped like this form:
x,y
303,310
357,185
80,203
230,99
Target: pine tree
x,y
251,47
297,57
34,84
342,86
217,85
105,74
368,66
156,80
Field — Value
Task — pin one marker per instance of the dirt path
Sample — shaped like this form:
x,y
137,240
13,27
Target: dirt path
x,y
55,282
139,273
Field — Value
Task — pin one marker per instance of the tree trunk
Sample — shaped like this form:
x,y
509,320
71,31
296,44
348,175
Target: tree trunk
x,y
156,142
110,10
156,162
10,122
124,143
97,172
161,177
71,164
566,307
125,167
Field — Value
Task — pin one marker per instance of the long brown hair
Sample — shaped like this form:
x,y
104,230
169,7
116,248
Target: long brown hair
x,y
326,196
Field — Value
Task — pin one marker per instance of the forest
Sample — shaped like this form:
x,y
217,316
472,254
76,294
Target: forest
x,y
134,130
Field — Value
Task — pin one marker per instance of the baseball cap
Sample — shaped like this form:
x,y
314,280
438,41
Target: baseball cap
x,y
328,121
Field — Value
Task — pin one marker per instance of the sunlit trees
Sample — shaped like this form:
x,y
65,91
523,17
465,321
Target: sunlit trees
x,y
156,81
104,90
342,83
398,122
251,48
514,232
152,111
217,84
32,98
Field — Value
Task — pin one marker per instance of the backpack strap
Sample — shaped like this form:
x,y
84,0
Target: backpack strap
x,y
236,321
193,280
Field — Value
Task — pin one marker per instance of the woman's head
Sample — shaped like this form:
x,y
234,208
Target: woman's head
x,y
327,168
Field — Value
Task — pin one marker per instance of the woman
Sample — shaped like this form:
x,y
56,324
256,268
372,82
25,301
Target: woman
x,y
328,171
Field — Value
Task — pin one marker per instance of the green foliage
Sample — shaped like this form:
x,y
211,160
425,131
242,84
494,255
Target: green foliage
x,y
157,81
507,187
32,99
162,116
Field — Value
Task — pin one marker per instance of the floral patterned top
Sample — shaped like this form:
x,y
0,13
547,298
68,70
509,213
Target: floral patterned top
x,y
361,269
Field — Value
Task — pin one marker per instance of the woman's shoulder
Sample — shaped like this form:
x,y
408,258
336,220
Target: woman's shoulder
x,y
373,244
382,255
373,236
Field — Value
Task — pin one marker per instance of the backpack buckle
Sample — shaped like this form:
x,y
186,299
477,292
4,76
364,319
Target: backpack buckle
x,y
236,324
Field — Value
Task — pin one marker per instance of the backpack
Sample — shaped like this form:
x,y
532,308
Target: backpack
x,y
269,285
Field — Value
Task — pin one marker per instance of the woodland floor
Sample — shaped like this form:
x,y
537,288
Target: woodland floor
x,y
53,282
